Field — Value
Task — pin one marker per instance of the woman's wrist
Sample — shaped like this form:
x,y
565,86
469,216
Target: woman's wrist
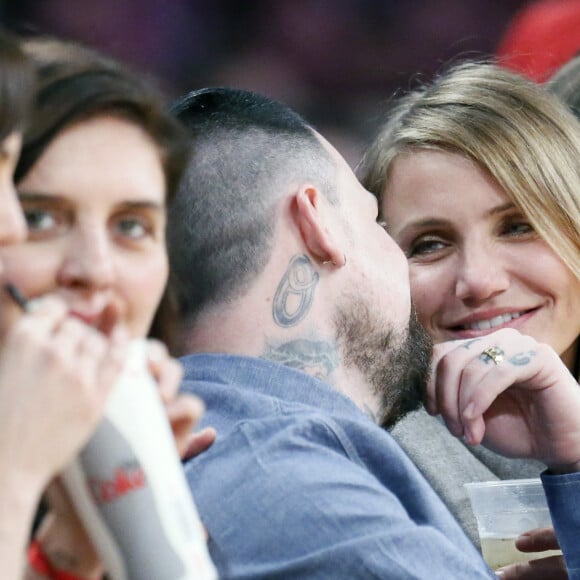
x,y
19,498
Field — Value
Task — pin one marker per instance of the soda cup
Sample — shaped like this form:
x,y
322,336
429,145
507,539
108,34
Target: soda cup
x,y
128,487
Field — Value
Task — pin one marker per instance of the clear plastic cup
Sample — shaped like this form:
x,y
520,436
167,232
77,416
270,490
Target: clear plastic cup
x,y
504,510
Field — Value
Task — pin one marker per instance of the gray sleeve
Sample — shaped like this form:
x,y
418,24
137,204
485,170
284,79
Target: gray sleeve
x,y
447,463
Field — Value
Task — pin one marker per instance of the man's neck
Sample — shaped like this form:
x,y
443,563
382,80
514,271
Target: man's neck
x,y
307,351
321,359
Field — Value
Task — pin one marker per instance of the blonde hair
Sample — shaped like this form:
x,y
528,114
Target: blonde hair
x,y
517,132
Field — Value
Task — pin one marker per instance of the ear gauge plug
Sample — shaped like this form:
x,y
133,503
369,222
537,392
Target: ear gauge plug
x,y
326,262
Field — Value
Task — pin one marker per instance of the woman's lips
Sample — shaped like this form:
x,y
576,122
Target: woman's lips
x,y
494,322
483,326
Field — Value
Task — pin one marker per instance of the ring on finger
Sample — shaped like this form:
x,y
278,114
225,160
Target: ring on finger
x,y
493,353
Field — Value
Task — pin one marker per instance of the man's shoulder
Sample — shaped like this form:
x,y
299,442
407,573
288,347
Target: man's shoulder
x,y
293,453
296,450
293,481
293,429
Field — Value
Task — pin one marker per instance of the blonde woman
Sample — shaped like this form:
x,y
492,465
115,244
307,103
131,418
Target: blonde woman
x,y
478,181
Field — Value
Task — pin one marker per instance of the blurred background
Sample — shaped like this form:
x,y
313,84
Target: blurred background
x,y
338,62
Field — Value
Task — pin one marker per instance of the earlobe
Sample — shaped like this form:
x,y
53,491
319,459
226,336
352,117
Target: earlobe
x,y
314,220
342,264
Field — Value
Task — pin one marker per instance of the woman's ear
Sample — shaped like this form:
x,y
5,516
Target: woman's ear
x,y
318,228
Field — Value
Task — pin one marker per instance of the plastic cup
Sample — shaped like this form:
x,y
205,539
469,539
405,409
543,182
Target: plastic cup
x,y
504,510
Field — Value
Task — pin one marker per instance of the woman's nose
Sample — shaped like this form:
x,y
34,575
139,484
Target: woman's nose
x,y
481,275
88,260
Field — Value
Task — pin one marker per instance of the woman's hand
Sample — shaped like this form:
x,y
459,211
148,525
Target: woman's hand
x,y
184,411
552,567
511,393
55,376
62,533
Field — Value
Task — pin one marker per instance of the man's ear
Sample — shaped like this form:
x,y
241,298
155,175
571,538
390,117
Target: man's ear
x,y
315,223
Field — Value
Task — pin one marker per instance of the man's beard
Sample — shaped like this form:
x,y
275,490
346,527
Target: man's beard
x,y
396,365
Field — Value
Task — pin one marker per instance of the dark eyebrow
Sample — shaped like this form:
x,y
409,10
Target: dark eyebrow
x,y
138,205
33,196
426,223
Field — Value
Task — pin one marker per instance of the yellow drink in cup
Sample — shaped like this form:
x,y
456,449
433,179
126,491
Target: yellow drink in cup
x,y
504,510
501,551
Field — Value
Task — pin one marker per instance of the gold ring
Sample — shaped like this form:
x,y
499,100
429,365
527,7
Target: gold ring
x,y
493,353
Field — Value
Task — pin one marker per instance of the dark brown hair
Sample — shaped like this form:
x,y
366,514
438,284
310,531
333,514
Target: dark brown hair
x,y
16,85
75,83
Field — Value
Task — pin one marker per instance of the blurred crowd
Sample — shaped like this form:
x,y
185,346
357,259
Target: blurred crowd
x,y
336,61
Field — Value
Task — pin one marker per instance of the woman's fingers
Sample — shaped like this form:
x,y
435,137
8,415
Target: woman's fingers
x,y
452,370
166,370
184,413
538,540
469,376
512,393
552,567
199,442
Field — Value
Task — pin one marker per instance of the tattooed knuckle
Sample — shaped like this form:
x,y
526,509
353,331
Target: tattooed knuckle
x,y
468,344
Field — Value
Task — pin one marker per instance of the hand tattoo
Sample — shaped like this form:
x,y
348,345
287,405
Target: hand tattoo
x,y
467,345
522,358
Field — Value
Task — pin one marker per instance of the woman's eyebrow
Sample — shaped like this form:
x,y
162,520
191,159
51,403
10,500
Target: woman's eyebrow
x,y
501,208
429,222
432,222
24,195
35,196
141,204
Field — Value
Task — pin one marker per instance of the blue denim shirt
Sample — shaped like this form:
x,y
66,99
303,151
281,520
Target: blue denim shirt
x,y
563,495
301,484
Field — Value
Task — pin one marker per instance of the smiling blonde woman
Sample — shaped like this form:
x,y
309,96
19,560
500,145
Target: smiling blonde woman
x,y
478,180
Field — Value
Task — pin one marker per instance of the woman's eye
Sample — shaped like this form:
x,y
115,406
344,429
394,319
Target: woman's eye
x,y
517,229
425,247
133,228
39,220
